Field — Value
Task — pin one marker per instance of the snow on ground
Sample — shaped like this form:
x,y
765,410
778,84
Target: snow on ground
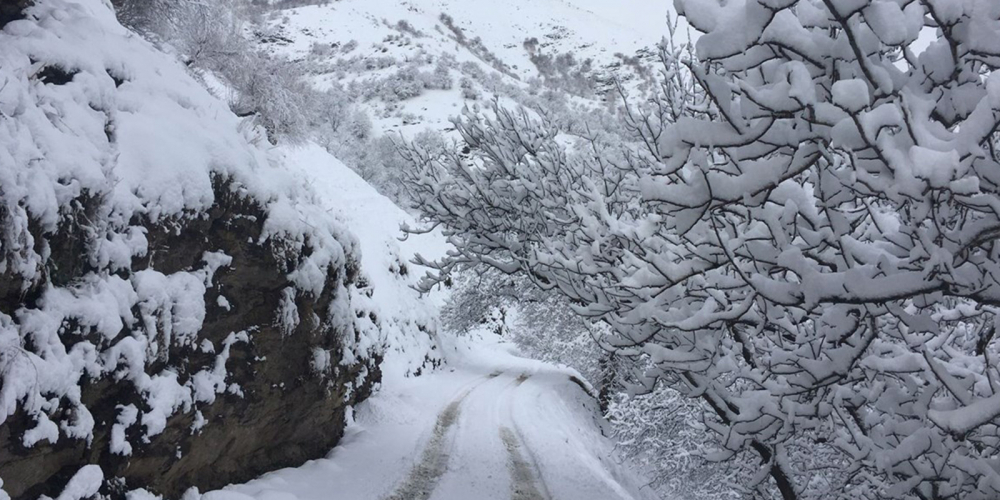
x,y
491,426
488,425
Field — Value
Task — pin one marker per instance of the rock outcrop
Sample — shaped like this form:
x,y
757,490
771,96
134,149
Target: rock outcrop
x,y
173,306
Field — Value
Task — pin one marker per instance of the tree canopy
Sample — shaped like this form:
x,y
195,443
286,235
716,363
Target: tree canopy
x,y
801,233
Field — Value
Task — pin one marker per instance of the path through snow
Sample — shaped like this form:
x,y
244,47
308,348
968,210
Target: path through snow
x,y
427,472
492,427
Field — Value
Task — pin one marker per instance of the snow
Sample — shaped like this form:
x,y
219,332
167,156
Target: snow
x,y
587,29
888,22
127,416
83,484
172,307
967,418
851,95
208,383
164,395
141,494
288,312
938,168
44,430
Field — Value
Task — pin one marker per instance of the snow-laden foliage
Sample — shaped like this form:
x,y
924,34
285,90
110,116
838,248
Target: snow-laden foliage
x,y
104,141
542,324
661,432
801,235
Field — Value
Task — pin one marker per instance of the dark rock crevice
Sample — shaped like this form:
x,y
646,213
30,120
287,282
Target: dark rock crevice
x,y
12,10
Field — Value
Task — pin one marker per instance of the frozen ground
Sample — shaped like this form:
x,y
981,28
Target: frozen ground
x,y
491,426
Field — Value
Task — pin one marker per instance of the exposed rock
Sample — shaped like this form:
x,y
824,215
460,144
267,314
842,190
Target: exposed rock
x,y
287,413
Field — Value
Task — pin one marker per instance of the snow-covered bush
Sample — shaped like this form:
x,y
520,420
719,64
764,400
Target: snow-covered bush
x,y
209,29
661,432
403,26
440,78
272,91
207,34
143,15
562,71
320,49
469,90
476,46
335,119
405,83
542,324
802,236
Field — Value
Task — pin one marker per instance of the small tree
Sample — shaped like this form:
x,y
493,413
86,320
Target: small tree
x,y
802,236
272,91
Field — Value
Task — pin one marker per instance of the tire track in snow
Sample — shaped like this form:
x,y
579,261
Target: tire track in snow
x,y
426,473
524,473
522,476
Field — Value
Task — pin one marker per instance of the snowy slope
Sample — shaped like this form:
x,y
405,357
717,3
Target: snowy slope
x,y
587,28
364,41
487,425
385,260
148,147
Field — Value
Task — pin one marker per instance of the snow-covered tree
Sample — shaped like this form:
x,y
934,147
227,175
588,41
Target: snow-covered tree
x,y
541,323
802,236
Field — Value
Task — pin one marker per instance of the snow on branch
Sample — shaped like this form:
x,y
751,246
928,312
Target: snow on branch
x,y
799,230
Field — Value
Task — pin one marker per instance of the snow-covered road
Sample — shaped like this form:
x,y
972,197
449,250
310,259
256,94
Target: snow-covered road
x,y
496,428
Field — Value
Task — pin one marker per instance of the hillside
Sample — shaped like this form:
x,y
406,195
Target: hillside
x,y
396,55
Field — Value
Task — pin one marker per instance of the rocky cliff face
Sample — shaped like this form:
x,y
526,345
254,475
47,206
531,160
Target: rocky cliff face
x,y
173,306
276,409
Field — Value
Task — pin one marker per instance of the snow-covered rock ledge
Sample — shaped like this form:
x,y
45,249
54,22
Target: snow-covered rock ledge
x,y
175,308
